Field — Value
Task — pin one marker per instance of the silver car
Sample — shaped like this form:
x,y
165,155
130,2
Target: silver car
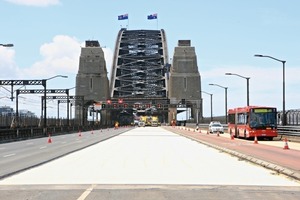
x,y
216,127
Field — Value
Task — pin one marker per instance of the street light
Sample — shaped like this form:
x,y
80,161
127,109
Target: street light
x,y
283,85
247,78
7,45
211,105
44,83
68,104
225,98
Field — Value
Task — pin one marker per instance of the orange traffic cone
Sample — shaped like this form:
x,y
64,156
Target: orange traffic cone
x,y
286,146
255,140
49,139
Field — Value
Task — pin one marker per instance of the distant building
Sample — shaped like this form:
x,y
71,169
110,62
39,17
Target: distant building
x,y
6,110
26,113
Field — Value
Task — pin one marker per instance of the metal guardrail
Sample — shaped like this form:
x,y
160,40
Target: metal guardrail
x,y
289,130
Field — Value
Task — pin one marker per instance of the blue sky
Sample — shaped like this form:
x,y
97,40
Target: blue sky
x,y
48,34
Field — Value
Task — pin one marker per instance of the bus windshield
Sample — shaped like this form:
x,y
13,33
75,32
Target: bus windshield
x,y
262,119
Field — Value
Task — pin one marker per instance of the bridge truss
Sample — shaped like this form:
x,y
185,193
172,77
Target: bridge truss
x,y
139,65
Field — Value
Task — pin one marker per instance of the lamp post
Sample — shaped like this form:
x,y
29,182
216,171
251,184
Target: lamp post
x,y
225,98
211,104
247,78
283,85
7,45
44,83
68,103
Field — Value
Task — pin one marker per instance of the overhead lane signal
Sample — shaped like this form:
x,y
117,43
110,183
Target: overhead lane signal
x,y
108,102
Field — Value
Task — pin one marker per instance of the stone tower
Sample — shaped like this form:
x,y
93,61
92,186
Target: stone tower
x,y
185,80
91,80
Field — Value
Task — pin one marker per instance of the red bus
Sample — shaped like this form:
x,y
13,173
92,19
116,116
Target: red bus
x,y
251,121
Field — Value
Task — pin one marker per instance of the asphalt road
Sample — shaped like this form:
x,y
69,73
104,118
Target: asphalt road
x,y
23,155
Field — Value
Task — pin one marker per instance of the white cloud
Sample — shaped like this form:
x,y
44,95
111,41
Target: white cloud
x,y
8,66
60,56
39,3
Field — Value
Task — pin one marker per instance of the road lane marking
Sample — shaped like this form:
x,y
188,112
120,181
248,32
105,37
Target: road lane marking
x,y
86,192
43,147
9,155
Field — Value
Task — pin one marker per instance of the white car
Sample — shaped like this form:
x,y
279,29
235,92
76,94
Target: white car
x,y
215,127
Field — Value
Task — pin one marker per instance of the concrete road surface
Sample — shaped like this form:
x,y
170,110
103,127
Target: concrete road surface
x,y
149,163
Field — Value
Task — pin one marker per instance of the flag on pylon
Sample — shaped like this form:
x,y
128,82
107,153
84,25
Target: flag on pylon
x,y
286,146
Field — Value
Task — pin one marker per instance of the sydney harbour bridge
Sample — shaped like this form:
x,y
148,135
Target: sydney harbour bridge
x,y
144,81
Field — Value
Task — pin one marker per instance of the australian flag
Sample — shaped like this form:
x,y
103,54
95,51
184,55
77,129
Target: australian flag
x,y
122,17
153,16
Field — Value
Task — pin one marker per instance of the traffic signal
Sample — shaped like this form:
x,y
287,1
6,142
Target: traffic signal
x,y
108,101
120,101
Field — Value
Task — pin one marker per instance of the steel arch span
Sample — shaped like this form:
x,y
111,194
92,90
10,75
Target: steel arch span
x,y
140,63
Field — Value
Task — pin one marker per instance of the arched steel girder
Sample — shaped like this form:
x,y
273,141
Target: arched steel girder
x,y
139,62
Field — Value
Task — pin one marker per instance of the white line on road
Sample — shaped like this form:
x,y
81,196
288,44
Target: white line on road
x,y
43,147
86,193
9,155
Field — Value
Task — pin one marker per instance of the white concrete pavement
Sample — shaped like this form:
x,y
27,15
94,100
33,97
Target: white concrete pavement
x,y
149,155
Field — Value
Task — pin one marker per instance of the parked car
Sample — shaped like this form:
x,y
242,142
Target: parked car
x,y
215,127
